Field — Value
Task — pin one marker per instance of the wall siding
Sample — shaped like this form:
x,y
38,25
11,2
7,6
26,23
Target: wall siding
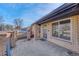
x,y
75,33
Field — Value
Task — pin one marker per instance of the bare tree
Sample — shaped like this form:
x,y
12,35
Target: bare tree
x,y
8,27
18,23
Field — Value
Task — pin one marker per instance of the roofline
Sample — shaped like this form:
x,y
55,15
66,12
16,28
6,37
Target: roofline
x,y
65,10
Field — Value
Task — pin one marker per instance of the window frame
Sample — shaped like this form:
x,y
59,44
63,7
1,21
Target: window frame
x,y
59,29
56,23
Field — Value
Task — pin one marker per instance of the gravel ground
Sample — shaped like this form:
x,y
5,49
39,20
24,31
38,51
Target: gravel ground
x,y
37,48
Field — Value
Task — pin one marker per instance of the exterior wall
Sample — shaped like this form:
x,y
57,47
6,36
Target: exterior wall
x,y
72,45
28,33
75,33
35,31
44,26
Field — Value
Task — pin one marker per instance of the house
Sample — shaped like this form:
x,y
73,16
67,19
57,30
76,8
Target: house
x,y
60,26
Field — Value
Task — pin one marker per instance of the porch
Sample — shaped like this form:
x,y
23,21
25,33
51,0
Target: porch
x,y
38,48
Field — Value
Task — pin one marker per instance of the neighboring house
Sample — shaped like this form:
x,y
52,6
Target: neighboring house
x,y
61,27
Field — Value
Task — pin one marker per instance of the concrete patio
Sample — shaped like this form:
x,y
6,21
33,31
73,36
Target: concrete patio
x,y
37,48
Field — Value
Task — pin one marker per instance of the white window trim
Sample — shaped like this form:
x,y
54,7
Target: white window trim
x,y
70,30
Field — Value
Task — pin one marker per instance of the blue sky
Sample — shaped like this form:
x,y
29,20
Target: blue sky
x,y
29,12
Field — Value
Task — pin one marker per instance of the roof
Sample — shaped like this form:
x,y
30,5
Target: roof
x,y
65,10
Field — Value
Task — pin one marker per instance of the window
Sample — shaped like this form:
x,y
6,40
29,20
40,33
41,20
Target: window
x,y
55,29
65,29
61,29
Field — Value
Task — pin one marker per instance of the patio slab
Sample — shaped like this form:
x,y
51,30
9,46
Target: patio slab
x,y
38,48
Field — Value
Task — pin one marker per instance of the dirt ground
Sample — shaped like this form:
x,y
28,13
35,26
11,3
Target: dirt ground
x,y
38,48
